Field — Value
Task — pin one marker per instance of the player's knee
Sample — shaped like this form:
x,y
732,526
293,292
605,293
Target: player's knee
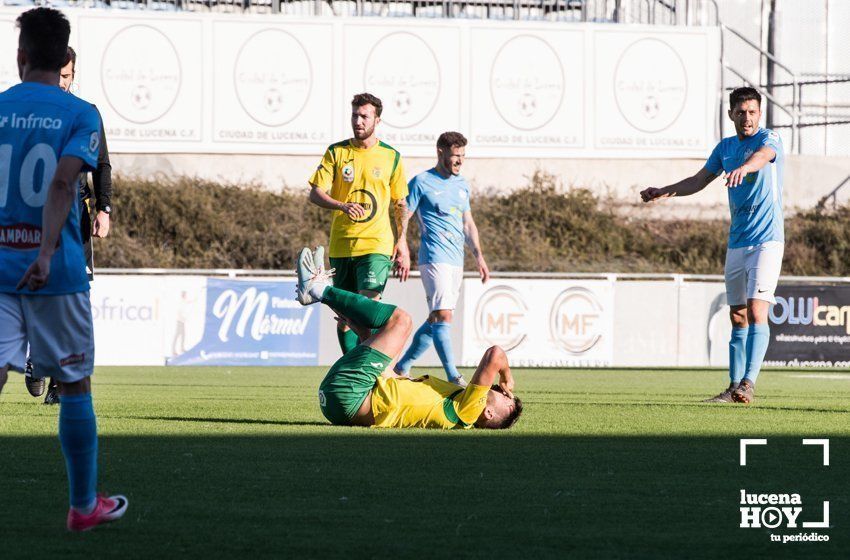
x,y
738,316
81,387
757,311
401,320
441,316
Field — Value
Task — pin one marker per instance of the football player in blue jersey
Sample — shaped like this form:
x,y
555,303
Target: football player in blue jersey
x,y
47,137
440,199
102,180
753,162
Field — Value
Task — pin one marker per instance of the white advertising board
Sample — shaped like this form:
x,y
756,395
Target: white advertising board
x,y
546,323
272,86
8,49
415,71
217,83
651,92
526,90
142,320
147,80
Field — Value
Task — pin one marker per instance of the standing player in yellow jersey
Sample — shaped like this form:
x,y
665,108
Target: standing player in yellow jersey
x,y
360,388
362,179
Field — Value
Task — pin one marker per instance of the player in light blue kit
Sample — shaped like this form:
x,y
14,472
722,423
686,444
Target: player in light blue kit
x,y
440,198
753,162
47,137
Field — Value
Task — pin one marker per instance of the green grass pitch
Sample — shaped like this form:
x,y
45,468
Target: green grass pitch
x,y
238,462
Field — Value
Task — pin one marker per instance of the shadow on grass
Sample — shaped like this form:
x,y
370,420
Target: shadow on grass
x,y
202,419
679,404
423,495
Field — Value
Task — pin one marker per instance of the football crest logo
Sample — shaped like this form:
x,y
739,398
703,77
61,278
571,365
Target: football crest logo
x,y
348,173
376,172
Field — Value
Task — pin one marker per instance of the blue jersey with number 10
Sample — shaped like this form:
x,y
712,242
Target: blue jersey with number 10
x,y
755,204
39,124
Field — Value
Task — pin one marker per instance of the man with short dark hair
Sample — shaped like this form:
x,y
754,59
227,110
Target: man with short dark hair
x,y
360,388
362,179
101,185
440,198
47,137
753,161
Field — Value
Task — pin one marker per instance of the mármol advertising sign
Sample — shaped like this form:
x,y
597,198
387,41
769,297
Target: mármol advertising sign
x,y
254,323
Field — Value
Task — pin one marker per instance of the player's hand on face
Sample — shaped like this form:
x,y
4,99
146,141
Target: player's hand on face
x,y
650,194
101,225
507,386
353,210
36,275
401,261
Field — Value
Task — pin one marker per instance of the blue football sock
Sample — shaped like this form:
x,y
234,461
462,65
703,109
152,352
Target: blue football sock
x,y
738,354
758,338
78,437
421,341
442,333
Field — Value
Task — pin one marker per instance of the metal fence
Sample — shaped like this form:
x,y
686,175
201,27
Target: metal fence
x,y
655,12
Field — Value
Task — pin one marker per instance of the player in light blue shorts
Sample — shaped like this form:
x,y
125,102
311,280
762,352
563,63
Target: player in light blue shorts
x,y
47,137
753,162
440,198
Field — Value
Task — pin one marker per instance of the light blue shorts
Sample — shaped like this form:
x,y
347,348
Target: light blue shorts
x,y
58,330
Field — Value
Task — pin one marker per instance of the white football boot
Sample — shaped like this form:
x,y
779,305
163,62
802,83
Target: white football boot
x,y
312,278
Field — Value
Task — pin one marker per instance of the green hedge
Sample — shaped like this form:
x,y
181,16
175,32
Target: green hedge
x,y
189,223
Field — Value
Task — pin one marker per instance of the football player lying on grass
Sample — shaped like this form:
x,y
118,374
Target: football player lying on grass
x,y
360,389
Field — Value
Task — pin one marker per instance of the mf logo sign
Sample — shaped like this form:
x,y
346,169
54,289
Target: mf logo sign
x,y
781,510
500,317
574,321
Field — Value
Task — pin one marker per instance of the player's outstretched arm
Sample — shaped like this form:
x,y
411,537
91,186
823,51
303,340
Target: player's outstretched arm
x,y
762,157
685,187
470,233
323,200
401,252
61,194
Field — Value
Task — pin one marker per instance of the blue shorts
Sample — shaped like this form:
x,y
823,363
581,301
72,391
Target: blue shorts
x,y
58,330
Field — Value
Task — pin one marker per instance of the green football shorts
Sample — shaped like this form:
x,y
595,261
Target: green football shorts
x,y
349,382
366,272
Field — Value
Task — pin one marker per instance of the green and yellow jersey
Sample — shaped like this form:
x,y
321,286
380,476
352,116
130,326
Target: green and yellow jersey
x,y
370,177
426,402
